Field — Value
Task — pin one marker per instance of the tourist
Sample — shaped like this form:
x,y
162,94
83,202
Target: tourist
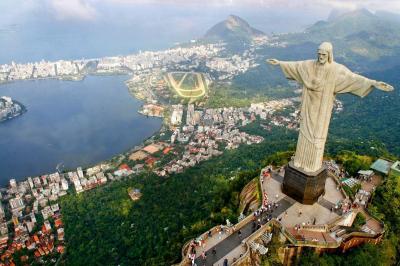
x,y
225,262
209,234
240,234
214,251
203,255
192,257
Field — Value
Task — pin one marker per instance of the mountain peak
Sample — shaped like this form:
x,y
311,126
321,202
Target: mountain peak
x,y
336,12
236,20
234,28
342,13
343,23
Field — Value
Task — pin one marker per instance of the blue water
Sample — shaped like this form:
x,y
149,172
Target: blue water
x,y
78,123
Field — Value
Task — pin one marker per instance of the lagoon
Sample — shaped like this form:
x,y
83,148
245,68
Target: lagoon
x,y
76,123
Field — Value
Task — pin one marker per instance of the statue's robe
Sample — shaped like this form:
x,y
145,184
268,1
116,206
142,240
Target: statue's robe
x,y
321,83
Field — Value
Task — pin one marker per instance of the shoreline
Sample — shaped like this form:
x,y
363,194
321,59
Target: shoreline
x,y
108,160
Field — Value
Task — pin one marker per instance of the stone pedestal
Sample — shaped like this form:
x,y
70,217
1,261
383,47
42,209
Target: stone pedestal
x,y
305,187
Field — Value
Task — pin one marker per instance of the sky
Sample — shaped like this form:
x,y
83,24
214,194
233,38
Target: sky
x,y
50,29
86,9
92,10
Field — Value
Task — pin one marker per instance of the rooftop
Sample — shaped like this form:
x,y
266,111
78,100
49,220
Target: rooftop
x,y
382,166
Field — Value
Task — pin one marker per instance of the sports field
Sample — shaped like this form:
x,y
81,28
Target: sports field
x,y
187,84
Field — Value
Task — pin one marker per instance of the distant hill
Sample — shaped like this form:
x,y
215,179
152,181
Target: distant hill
x,y
359,38
360,25
233,29
388,15
336,12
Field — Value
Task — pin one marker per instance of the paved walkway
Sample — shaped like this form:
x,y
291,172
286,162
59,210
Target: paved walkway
x,y
277,176
232,256
371,185
234,240
319,213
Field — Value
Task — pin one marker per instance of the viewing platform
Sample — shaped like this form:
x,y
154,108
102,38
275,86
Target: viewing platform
x,y
327,224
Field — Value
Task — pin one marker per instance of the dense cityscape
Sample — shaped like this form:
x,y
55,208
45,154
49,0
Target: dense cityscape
x,y
181,58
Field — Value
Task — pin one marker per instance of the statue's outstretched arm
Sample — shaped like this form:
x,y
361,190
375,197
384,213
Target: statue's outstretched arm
x,y
383,86
274,62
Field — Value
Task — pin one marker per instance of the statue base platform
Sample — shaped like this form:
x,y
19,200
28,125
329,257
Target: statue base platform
x,y
305,187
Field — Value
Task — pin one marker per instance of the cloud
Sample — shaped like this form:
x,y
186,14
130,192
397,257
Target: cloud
x,y
73,9
89,10
389,5
11,14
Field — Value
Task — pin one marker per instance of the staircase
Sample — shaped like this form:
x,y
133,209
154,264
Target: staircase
x,y
258,247
266,237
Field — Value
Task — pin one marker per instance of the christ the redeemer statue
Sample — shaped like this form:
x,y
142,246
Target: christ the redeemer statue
x,y
322,79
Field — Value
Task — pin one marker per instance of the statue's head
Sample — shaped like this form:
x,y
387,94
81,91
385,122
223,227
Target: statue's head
x,y
325,53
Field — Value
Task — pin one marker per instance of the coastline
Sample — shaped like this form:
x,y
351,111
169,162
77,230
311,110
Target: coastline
x,y
124,152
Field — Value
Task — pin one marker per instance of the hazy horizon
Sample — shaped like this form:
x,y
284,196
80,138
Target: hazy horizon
x,y
57,29
76,29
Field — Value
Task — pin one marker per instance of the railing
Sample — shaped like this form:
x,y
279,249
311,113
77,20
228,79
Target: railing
x,y
315,228
243,222
337,219
337,181
309,243
185,259
185,248
382,224
358,234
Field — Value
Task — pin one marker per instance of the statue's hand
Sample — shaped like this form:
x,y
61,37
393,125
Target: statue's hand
x,y
383,86
273,61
